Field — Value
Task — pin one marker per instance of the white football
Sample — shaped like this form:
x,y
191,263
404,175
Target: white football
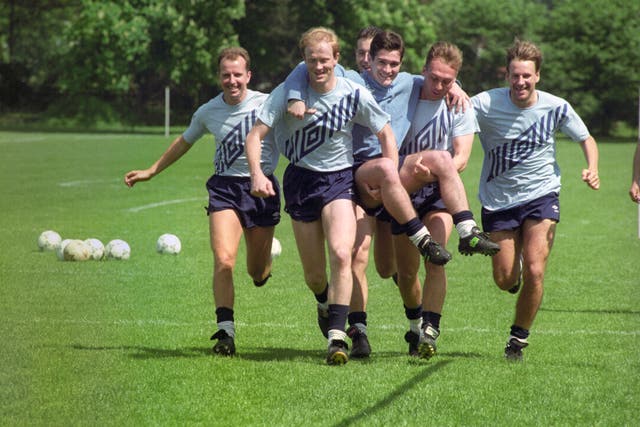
x,y
60,249
76,250
49,240
276,248
117,249
97,248
168,244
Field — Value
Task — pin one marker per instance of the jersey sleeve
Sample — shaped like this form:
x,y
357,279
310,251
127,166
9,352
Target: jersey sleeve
x,y
573,126
370,114
464,123
196,129
273,107
295,85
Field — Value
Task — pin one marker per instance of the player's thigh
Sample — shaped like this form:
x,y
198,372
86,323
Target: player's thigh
x,y
408,173
439,162
371,175
258,241
225,231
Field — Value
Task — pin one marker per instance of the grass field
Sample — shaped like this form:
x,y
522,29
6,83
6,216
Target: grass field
x,y
127,343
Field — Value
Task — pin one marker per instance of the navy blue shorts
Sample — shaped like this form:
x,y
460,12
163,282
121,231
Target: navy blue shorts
x,y
425,200
306,192
232,192
545,207
428,199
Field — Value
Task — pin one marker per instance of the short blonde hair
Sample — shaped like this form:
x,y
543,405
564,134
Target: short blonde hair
x,y
447,52
319,34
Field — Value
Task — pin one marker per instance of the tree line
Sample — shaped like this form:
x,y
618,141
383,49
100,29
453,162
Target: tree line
x,y
110,60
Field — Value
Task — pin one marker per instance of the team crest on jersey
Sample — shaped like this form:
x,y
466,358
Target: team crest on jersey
x,y
232,145
511,154
315,133
433,136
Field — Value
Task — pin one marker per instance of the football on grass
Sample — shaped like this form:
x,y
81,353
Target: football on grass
x,y
49,240
276,248
60,249
76,250
168,244
96,247
117,249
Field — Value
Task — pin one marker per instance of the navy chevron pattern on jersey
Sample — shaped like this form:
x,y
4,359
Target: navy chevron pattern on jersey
x,y
232,145
506,156
433,136
315,133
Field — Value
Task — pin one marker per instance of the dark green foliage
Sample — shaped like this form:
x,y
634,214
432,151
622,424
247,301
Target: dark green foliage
x,y
111,60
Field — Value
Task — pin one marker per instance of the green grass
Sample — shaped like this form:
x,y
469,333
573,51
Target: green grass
x,y
127,343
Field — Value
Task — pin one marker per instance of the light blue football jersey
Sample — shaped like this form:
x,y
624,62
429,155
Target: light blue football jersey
x,y
519,146
398,100
434,127
323,141
230,125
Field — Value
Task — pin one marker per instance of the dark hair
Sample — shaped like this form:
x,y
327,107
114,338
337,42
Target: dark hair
x,y
368,32
387,40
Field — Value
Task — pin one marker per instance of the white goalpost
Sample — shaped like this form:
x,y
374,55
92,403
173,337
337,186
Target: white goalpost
x,y
166,111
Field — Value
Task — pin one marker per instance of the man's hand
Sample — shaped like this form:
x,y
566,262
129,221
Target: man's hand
x,y
591,178
457,99
634,192
261,186
422,172
374,193
132,177
298,109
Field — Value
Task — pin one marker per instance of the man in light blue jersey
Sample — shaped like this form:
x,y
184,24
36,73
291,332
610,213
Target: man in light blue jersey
x,y
520,180
434,127
318,183
378,181
232,210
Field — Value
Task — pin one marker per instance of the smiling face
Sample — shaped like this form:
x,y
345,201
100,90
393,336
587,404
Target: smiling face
x,y
438,79
363,59
386,66
234,78
522,77
321,60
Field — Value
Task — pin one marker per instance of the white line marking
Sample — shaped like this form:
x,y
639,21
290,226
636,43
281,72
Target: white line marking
x,y
83,182
163,203
17,139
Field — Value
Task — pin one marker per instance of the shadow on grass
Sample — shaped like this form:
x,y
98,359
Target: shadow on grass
x,y
388,400
260,354
590,311
141,352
